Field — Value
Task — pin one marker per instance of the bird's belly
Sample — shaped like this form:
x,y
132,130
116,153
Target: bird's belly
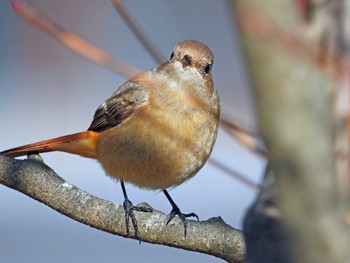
x,y
153,154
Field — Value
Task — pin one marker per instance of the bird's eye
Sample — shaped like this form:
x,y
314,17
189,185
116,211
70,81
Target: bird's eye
x,y
207,69
172,55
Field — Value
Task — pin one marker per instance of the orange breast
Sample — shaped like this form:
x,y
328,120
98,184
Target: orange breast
x,y
157,148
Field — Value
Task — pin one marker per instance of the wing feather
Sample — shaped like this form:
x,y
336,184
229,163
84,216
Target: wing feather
x,y
127,100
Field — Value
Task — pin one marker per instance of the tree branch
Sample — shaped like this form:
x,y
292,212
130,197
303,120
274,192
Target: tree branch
x,y
35,179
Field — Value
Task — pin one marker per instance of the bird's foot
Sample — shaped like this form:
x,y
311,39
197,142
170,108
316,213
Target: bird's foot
x,y
176,211
129,209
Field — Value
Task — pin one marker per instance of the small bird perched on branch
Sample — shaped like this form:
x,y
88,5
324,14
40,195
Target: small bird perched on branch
x,y
156,131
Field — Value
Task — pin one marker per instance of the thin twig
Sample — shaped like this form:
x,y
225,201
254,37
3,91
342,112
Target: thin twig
x,y
70,40
241,178
137,32
249,140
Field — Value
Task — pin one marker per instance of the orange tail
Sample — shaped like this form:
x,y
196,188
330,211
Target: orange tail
x,y
82,143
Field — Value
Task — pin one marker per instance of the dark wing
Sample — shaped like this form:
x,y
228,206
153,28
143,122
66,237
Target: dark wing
x,y
129,98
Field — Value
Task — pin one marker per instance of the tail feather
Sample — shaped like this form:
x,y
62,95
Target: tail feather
x,y
83,143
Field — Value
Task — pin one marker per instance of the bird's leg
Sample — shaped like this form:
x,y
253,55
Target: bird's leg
x,y
176,211
129,209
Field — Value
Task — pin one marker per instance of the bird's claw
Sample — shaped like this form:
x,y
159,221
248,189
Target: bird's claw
x,y
129,209
176,211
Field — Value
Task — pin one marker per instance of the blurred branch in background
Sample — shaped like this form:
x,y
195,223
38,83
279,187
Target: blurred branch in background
x,y
137,32
295,54
240,178
35,179
249,140
71,40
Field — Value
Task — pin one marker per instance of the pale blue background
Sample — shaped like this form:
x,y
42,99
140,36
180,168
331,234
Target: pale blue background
x,y
47,91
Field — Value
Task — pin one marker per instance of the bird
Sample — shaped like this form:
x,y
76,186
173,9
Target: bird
x,y
156,131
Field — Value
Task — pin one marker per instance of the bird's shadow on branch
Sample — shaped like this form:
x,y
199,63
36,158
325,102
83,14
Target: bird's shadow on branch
x,y
37,180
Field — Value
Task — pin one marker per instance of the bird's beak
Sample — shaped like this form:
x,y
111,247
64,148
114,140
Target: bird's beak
x,y
187,61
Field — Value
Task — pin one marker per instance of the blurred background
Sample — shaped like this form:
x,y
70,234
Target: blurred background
x,y
47,91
